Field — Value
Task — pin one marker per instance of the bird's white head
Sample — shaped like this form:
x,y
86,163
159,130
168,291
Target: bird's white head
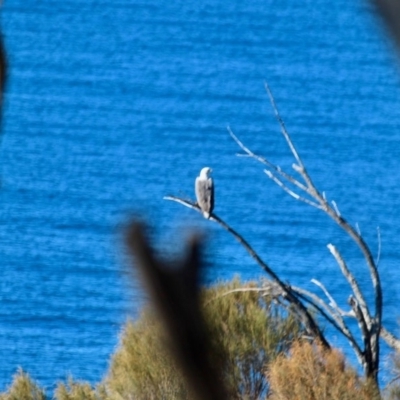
x,y
205,172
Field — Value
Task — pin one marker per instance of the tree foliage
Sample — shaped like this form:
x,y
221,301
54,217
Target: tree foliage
x,y
258,343
247,331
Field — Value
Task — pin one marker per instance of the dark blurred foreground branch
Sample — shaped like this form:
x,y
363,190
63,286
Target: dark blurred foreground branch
x,y
287,292
390,12
175,294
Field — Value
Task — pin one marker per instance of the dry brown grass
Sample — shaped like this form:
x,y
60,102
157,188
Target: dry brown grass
x,y
23,388
311,372
74,390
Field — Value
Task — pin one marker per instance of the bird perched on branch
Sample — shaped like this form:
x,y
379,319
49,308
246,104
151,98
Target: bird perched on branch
x,y
204,188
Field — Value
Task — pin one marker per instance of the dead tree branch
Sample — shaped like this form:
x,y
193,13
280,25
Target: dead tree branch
x,y
390,339
353,283
289,295
370,323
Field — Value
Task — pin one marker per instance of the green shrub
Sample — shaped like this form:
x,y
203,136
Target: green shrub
x,y
247,331
255,341
141,368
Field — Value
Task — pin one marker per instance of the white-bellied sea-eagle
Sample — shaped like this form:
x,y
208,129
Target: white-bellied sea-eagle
x,y
204,188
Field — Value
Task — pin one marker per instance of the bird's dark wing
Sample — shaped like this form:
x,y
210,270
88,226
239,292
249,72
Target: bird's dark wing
x,y
211,188
204,194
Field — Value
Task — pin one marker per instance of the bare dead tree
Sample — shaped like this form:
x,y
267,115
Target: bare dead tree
x,y
303,189
296,297
389,10
369,322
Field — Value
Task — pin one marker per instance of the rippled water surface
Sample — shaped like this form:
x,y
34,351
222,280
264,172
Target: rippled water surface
x,y
112,105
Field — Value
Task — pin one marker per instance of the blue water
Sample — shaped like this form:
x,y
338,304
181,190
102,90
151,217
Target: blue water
x,y
112,105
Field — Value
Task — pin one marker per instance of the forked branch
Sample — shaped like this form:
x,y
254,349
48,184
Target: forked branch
x,y
287,292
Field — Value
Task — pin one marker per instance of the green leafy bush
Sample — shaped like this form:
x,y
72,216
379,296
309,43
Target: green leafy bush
x,y
141,368
247,331
255,342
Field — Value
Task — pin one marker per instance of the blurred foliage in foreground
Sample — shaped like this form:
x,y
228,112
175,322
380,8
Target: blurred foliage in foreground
x,y
261,350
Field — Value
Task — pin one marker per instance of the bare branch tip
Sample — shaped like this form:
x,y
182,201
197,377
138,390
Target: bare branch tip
x,y
267,88
331,247
336,208
297,168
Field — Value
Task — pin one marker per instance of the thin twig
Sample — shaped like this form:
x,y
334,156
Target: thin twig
x,y
302,169
289,191
335,207
263,160
327,294
352,281
283,127
239,290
